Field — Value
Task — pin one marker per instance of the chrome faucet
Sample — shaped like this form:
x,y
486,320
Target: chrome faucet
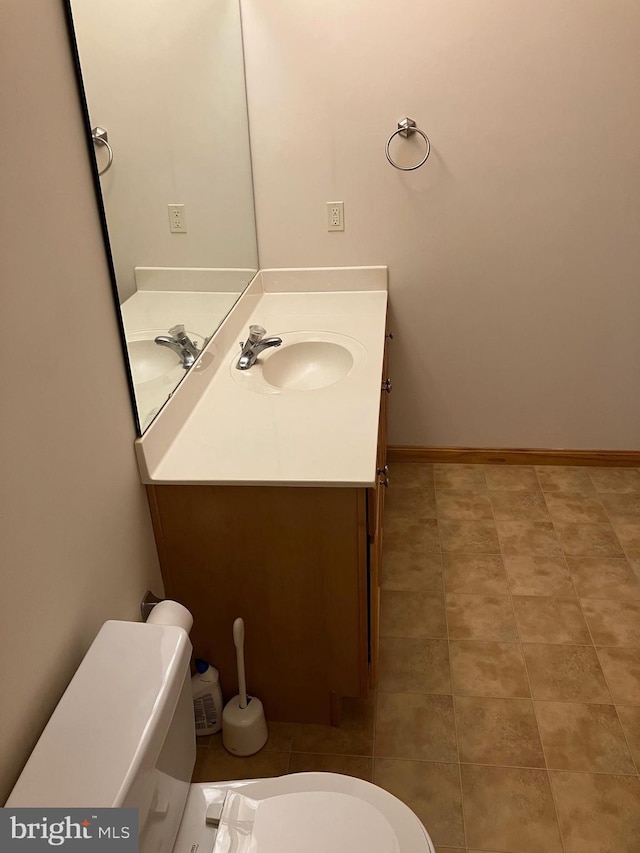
x,y
178,341
254,345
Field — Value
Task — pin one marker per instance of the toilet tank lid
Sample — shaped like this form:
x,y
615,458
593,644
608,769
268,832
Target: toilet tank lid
x,y
118,705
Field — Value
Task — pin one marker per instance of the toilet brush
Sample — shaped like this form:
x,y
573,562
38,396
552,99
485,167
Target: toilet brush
x,y
244,729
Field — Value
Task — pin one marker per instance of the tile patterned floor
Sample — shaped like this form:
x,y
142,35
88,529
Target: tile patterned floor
x,y
508,708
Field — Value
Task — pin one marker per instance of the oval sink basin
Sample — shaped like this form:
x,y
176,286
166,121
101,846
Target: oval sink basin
x,y
305,361
307,365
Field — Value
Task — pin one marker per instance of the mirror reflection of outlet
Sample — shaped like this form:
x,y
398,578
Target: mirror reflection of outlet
x,y
335,216
177,219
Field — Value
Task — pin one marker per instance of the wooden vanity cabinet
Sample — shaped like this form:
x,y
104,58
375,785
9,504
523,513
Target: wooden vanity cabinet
x,y
301,565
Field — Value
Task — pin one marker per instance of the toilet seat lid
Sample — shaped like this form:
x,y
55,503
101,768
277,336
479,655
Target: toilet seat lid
x,y
313,821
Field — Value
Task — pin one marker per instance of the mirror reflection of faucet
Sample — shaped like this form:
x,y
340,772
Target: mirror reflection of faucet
x,y
178,341
253,346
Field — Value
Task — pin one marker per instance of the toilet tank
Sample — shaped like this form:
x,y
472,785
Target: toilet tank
x,y
123,733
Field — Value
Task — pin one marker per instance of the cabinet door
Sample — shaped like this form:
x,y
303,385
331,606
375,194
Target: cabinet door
x,y
292,562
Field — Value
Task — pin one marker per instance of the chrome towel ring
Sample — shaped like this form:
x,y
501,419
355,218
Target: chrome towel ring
x,y
100,135
407,127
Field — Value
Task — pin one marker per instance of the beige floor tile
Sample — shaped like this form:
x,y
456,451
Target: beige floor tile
x,y
349,765
198,771
409,537
509,809
629,537
467,477
597,812
480,617
354,736
588,540
498,731
416,504
622,508
583,737
415,726
414,666
411,475
613,623
477,574
575,508
531,575
469,537
432,790
603,577
411,571
550,620
488,669
621,668
565,673
412,614
520,538
630,719
558,478
519,506
220,765
620,480
512,478
458,505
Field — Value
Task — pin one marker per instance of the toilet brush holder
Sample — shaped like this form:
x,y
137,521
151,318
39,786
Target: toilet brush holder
x,y
244,730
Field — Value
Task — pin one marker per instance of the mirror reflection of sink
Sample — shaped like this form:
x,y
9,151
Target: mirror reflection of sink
x,y
150,362
306,361
156,371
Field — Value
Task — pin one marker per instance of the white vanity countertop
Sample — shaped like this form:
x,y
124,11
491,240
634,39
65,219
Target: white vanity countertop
x,y
219,430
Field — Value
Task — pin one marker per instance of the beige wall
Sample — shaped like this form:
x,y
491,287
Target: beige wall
x,y
77,546
514,253
166,80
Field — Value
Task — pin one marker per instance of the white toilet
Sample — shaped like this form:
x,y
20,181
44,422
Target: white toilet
x,y
123,735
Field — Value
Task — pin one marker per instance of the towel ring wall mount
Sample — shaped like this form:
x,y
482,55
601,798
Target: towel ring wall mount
x,y
406,128
101,137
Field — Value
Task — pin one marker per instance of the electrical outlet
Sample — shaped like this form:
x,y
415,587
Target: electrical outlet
x,y
335,216
177,219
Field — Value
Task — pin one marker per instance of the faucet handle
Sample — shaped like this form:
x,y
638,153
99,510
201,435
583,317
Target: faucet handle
x,y
177,331
256,334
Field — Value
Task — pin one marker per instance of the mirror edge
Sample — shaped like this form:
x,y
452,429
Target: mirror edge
x,y
75,56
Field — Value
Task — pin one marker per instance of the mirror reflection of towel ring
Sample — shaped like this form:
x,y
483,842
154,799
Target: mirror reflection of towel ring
x,y
100,136
406,128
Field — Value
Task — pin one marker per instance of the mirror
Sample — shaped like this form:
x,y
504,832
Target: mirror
x,y
165,91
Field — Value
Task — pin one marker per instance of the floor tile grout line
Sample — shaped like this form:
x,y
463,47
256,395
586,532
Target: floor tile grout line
x,y
453,700
545,769
612,523
535,712
522,642
498,696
